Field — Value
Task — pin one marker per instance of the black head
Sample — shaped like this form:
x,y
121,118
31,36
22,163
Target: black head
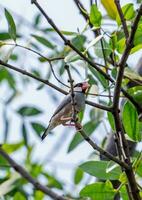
x,y
81,87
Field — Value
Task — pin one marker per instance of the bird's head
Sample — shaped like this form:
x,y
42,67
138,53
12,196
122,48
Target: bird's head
x,y
81,87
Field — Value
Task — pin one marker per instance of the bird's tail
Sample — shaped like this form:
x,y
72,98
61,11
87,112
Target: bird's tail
x,y
46,132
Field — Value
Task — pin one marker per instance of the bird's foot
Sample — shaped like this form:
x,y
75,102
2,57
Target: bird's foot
x,y
78,126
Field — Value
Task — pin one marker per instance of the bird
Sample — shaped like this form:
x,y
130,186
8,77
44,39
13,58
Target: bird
x,y
64,111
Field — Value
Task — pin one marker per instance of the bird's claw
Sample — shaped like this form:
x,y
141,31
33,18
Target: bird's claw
x,y
78,126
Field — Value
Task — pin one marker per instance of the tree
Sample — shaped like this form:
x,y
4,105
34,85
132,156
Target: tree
x,y
102,56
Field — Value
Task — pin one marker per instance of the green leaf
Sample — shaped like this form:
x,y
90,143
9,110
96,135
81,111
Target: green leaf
x,y
106,49
11,25
27,111
95,16
99,169
128,12
53,182
79,41
14,57
132,74
25,134
4,36
38,128
123,193
19,196
89,127
78,176
99,191
10,148
136,48
38,195
99,76
136,93
44,41
37,20
5,75
138,35
121,45
111,120
131,122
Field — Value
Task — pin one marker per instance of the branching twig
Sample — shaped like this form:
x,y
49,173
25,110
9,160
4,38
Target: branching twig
x,y
92,64
67,42
37,185
81,131
118,123
24,72
102,152
49,60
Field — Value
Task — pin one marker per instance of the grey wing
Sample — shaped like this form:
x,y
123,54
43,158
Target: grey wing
x,y
65,101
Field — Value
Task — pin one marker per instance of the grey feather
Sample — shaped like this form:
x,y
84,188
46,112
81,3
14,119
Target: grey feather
x,y
65,109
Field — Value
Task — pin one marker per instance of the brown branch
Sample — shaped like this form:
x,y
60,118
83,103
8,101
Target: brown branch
x,y
74,112
102,151
49,60
24,72
81,131
124,58
67,42
92,64
119,127
46,82
96,32
123,21
37,185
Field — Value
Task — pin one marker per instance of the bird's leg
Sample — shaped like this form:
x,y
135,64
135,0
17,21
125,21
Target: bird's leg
x,y
65,119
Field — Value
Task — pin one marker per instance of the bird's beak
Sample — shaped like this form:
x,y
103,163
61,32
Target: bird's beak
x,y
85,86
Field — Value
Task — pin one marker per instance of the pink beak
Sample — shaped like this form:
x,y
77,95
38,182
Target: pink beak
x,y
85,86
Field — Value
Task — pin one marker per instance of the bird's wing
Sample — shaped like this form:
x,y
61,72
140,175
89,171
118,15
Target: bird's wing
x,y
65,101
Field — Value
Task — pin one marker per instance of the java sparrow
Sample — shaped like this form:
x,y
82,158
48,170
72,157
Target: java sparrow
x,y
63,113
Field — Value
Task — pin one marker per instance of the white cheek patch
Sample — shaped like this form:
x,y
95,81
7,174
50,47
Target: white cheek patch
x,y
77,89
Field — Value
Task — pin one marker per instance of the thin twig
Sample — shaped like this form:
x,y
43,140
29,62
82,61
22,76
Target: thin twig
x,y
119,127
74,112
67,42
37,185
81,131
24,72
46,82
102,151
122,18
49,60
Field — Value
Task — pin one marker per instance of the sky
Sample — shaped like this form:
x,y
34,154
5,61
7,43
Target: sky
x,y
62,12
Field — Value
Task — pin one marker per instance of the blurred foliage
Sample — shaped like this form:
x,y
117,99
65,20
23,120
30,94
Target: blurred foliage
x,y
23,46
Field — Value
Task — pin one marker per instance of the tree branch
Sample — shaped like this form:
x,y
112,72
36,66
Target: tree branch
x,y
24,72
46,82
67,42
123,21
81,131
37,185
117,90
102,151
